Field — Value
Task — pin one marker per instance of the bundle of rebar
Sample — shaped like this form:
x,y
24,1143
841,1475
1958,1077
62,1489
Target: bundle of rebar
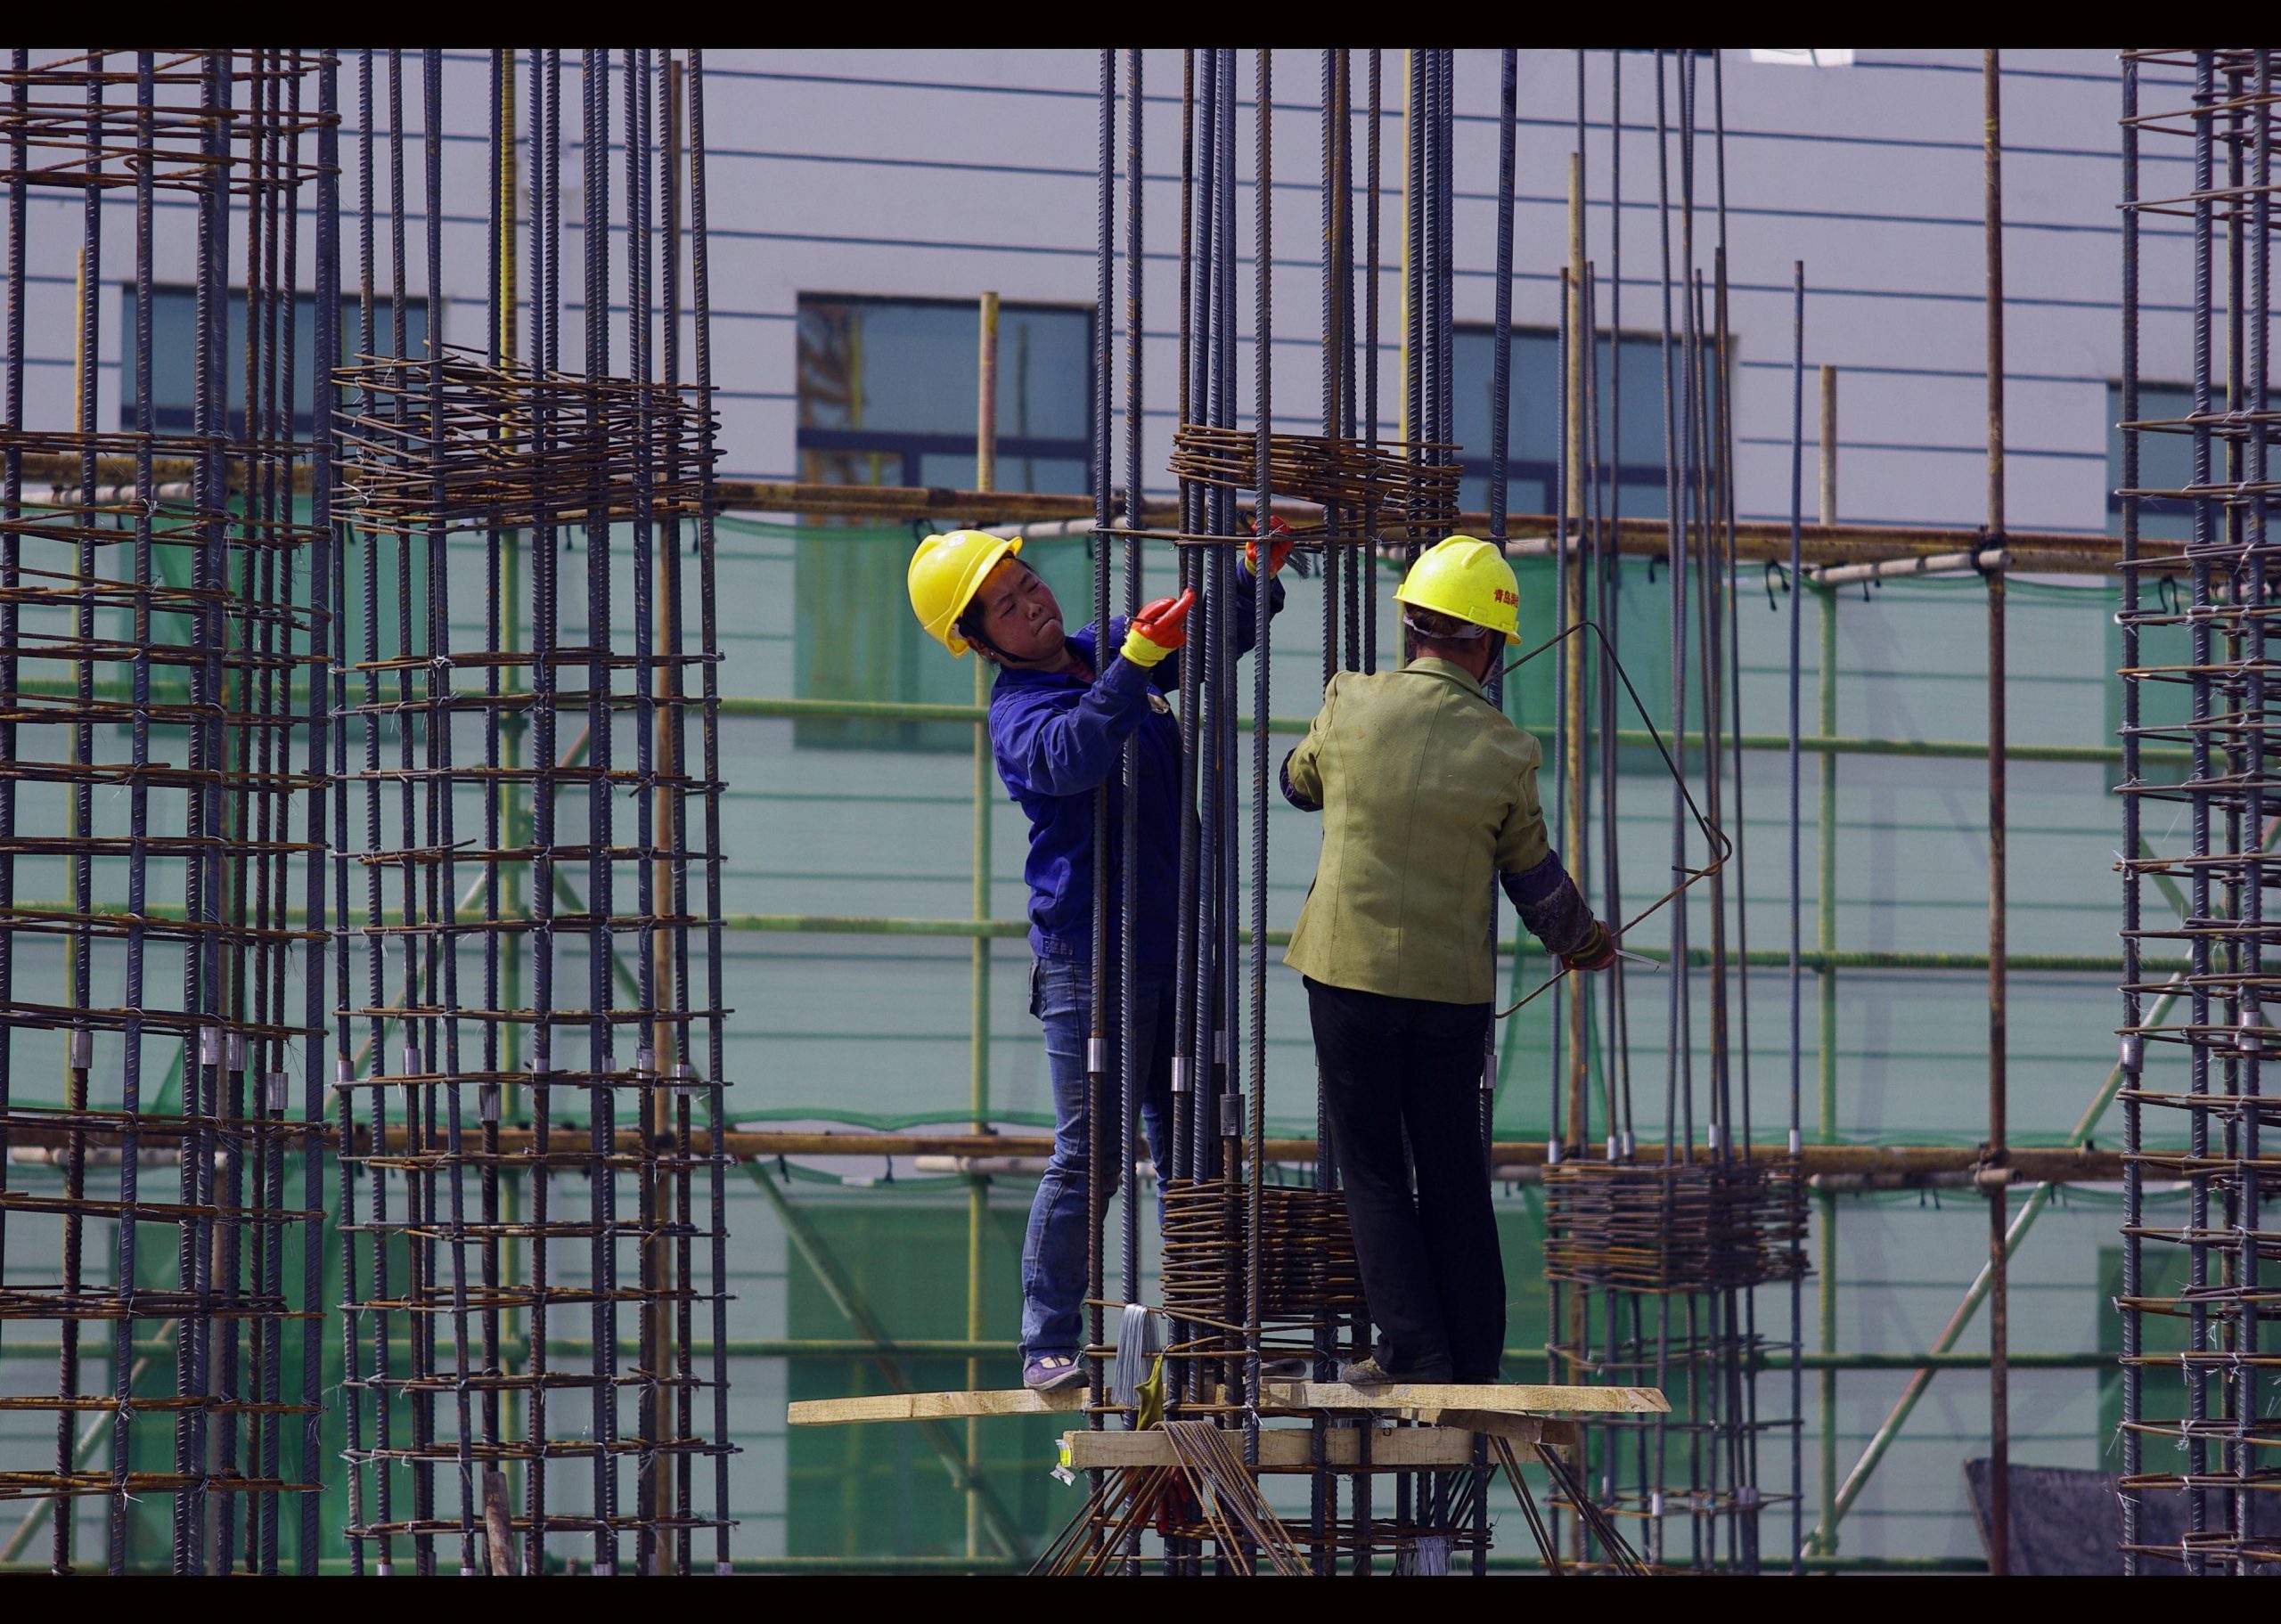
x,y
2197,1294
1395,490
160,740
1720,1224
1308,1274
513,951
457,439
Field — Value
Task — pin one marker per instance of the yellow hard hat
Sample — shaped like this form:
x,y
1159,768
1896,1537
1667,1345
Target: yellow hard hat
x,y
946,572
1467,577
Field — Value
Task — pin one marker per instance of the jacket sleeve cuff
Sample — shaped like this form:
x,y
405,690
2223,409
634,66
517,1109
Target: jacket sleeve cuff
x,y
1290,790
1550,906
1122,680
1243,579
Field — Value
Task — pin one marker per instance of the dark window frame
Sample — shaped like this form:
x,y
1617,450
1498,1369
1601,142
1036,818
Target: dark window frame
x,y
910,449
1631,476
180,419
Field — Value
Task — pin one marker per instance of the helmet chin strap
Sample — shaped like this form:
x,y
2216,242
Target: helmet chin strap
x,y
998,657
1468,634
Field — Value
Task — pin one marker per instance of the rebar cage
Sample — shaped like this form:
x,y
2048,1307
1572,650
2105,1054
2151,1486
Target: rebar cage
x,y
2213,1268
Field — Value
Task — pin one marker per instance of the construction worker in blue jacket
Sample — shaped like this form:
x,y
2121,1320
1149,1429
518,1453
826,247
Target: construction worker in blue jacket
x,y
1059,717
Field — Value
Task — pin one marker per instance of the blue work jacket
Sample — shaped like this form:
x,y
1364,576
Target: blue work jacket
x,y
1057,739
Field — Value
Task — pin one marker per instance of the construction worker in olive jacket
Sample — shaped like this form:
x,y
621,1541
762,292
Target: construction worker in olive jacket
x,y
1060,712
1428,793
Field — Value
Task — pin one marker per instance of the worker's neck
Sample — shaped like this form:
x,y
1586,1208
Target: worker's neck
x,y
1061,660
1471,657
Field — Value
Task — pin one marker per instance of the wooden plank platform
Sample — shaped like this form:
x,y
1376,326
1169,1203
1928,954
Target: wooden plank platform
x,y
1499,1398
1423,1401
934,1406
1287,1449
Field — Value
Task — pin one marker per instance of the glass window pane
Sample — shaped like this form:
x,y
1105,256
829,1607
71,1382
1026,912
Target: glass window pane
x,y
911,367
2165,460
1533,439
173,361
886,391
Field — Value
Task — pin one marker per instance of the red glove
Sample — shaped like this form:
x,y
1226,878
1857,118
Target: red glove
x,y
1279,547
1596,952
1158,629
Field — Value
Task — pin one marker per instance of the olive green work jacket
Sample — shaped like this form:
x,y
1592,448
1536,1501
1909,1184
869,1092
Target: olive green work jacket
x,y
1428,793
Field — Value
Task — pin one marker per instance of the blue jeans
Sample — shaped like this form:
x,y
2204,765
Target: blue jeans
x,y
1053,1251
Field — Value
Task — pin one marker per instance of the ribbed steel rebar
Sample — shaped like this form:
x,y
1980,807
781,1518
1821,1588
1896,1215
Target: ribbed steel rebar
x,y
2226,109
189,591
596,1212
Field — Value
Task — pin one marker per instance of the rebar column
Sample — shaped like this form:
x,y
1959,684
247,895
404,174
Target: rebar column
x,y
154,622
533,464
2214,101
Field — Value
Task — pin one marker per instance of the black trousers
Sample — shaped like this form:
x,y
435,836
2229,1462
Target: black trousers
x,y
1431,1267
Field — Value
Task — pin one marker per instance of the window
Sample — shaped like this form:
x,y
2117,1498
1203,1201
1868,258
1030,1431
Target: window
x,y
887,396
2165,460
1532,443
887,392
173,325
1634,447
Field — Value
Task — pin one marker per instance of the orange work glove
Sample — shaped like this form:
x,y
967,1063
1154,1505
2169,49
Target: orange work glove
x,y
1158,629
1279,547
1596,952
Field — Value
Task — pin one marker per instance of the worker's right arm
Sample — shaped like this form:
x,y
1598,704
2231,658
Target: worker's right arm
x,y
1069,750
1301,777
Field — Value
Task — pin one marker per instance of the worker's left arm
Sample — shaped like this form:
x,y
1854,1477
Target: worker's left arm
x,y
1302,775
1551,907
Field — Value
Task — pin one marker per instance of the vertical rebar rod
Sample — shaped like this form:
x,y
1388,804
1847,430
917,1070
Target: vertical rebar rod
x,y
1998,1300
1129,850
2199,656
12,488
1263,583
985,476
2245,1403
2132,1046
1797,904
1099,1081
1370,606
711,853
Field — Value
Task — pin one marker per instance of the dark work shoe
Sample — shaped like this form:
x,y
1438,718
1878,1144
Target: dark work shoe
x,y
1290,1368
1370,1372
1051,1373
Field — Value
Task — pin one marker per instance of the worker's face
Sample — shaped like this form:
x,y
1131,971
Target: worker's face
x,y
1019,613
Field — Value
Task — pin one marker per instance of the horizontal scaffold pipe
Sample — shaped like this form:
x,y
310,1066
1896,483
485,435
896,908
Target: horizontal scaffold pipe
x,y
2022,1164
2037,552
934,1563
866,925
897,710
2068,964
1523,1360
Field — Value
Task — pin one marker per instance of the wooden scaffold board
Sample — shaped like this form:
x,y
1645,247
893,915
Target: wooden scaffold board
x,y
1422,1400
1409,1448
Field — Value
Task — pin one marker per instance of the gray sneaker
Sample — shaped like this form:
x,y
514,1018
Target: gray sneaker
x,y
1051,1373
